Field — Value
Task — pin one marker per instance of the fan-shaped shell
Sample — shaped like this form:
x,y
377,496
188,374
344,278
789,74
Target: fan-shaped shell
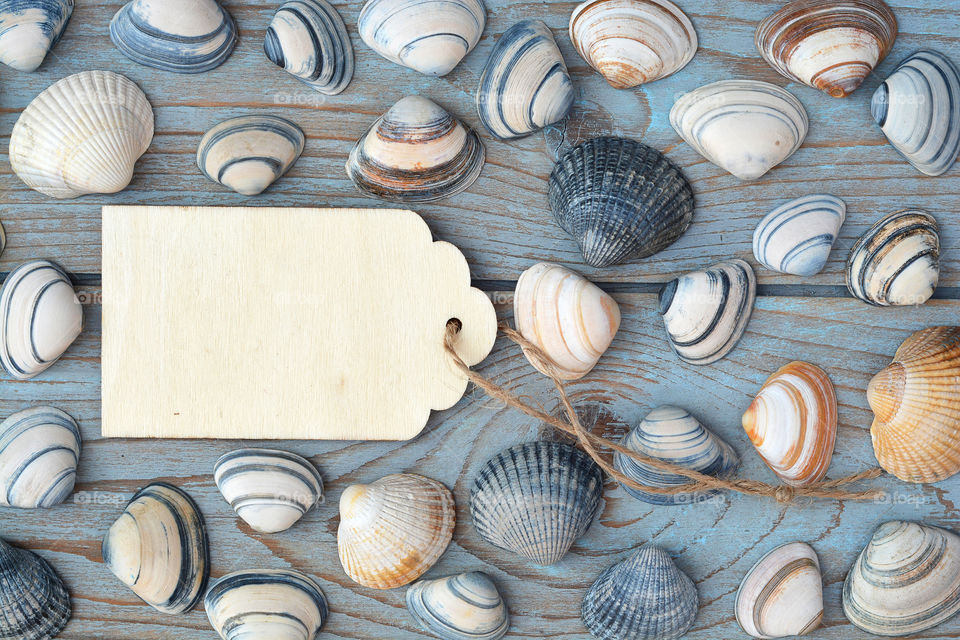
x,y
536,499
34,603
466,606
392,531
39,449
29,29
620,200
797,236
782,595
746,127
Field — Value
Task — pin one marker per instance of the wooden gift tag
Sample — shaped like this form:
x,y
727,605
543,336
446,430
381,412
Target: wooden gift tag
x,y
281,323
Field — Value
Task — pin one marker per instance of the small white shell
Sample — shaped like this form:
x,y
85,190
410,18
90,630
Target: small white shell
x,y
797,236
39,450
466,606
782,595
29,29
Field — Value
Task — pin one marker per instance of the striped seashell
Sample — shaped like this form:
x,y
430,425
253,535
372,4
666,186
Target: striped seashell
x,y
524,86
392,531
29,29
793,423
672,434
248,153
620,200
797,236
631,42
645,597
831,45
3,239
416,152
158,548
34,603
40,317
307,39
918,109
536,499
746,127
896,261
782,595
906,580
466,606
39,450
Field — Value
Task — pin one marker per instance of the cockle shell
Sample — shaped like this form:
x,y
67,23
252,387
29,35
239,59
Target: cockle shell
x,y
34,603
631,42
39,450
392,531
782,595
29,29
831,45
620,200
746,127
536,499
466,606
897,260
525,85
416,152
158,548
793,423
906,580
797,236
645,597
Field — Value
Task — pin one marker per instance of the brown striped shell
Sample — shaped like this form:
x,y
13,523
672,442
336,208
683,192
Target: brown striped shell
x,y
782,595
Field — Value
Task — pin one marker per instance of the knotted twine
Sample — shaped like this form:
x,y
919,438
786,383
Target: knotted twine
x,y
699,482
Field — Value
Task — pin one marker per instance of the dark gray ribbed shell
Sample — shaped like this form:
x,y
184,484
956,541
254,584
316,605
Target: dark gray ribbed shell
x,y
34,603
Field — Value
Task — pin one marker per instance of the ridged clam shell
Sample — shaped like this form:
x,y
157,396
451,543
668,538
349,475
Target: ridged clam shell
x,y
525,85
896,261
797,236
466,606
536,499
631,42
620,200
29,29
39,450
782,595
34,603
746,127
158,548
645,597
392,531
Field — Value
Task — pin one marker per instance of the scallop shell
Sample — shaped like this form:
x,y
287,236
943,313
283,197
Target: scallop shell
x,y
307,38
392,531
29,29
831,45
269,489
706,312
34,603
39,450
793,423
416,152
906,580
797,236
918,109
620,200
536,499
782,595
897,260
645,597
746,127
631,42
158,548
525,85
82,135
248,153
40,317
466,606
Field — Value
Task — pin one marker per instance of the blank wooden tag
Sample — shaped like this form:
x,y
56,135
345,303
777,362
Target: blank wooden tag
x,y
281,323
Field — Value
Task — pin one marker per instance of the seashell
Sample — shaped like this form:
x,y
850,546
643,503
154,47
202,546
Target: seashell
x,y
797,236
40,317
793,423
29,29
82,135
918,109
278,604
466,606
39,450
897,260
416,152
158,548
906,579
745,127
248,153
631,42
34,603
645,597
671,434
536,499
706,312
782,595
620,200
183,36
831,45
524,86
429,36
392,531
307,38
